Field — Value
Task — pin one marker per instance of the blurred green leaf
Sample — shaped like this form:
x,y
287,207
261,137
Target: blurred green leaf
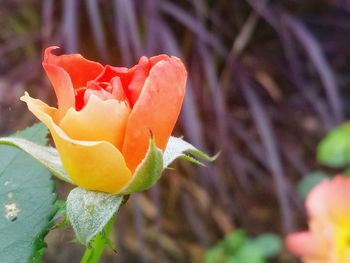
x,y
215,254
238,248
232,259
309,181
27,199
251,252
234,241
346,172
334,149
270,244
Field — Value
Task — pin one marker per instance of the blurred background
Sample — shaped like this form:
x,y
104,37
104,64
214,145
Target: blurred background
x,y
267,80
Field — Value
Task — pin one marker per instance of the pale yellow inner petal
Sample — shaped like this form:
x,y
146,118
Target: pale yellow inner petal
x,y
99,120
97,165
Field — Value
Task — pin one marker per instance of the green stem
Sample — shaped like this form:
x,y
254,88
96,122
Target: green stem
x,y
94,250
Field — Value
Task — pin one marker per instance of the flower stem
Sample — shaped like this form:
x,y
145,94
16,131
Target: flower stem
x,y
94,250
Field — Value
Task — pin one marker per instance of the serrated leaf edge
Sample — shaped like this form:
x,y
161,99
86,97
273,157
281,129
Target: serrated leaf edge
x,y
47,156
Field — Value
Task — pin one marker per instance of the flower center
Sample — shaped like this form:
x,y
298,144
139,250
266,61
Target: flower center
x,y
102,90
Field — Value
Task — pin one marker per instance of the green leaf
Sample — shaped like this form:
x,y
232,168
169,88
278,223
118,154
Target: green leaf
x,y
215,254
47,156
346,172
37,133
334,149
270,244
234,241
60,208
147,173
250,253
89,212
27,201
309,181
177,147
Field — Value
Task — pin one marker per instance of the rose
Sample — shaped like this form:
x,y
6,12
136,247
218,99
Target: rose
x,y
106,115
327,241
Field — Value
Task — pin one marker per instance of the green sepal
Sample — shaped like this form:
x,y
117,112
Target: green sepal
x,y
178,148
89,212
147,173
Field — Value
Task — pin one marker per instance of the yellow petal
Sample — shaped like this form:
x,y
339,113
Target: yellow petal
x,y
97,165
98,121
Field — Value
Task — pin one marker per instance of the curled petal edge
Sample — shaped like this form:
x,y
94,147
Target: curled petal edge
x,y
101,162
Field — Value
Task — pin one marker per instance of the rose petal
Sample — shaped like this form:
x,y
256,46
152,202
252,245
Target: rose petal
x,y
156,110
307,245
101,94
63,87
98,121
123,73
118,90
155,59
97,166
80,69
138,80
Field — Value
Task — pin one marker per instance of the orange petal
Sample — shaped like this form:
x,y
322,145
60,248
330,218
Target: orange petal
x,y
63,87
156,110
97,166
118,90
307,246
109,72
99,120
80,69
138,80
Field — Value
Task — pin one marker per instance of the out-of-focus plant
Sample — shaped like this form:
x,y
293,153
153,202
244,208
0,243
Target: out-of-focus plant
x,y
328,207
334,149
237,247
327,204
309,181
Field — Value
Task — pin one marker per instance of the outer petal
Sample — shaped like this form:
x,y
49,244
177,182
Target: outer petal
x,y
156,110
98,121
138,80
307,245
78,68
63,87
95,166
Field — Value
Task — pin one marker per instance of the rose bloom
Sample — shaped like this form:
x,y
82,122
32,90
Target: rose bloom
x,y
328,239
106,115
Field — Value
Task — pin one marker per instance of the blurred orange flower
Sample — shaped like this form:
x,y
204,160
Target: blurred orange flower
x,y
106,114
328,240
